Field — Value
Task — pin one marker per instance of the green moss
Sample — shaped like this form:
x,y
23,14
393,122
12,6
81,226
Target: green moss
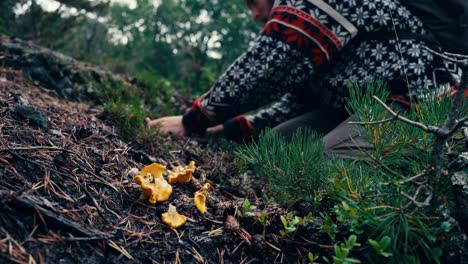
x,y
128,117
156,93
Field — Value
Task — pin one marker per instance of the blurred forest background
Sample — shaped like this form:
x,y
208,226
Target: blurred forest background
x,y
185,44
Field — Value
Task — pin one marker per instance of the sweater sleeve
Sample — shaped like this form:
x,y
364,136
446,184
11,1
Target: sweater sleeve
x,y
245,127
299,37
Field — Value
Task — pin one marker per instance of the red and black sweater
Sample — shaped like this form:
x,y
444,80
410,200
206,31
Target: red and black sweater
x,y
307,55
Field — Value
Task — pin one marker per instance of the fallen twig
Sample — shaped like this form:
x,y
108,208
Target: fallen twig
x,y
25,201
32,148
91,238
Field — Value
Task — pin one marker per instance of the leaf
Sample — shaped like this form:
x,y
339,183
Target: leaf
x,y
446,226
351,260
386,254
351,241
312,257
385,242
249,214
290,229
246,205
295,221
284,221
375,244
345,206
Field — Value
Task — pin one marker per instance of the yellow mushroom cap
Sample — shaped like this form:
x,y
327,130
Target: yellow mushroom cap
x,y
200,201
200,198
172,218
147,190
164,189
155,169
181,174
157,191
154,187
139,179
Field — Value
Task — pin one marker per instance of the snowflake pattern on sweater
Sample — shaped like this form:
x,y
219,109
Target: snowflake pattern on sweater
x,y
308,53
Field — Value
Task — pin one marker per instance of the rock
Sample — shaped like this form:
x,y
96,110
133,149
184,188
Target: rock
x,y
22,100
459,178
59,74
30,115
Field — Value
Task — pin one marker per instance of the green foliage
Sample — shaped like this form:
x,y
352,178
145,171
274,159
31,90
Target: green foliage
x,y
156,92
292,169
262,218
250,210
343,250
380,246
176,39
291,222
373,196
311,257
383,198
7,17
124,105
116,90
128,117
247,209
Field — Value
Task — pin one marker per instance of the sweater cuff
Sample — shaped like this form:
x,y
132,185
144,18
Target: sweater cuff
x,y
197,120
239,129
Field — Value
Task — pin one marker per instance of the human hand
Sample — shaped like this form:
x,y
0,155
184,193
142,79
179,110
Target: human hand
x,y
169,124
215,129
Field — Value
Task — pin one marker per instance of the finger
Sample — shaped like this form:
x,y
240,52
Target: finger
x,y
152,122
215,129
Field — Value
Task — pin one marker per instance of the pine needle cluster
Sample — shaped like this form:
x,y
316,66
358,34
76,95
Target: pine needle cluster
x,y
292,169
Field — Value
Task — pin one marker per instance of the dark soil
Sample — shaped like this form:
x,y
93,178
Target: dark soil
x,y
66,195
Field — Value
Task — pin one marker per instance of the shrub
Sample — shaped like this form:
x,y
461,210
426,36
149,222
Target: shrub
x,y
388,200
291,169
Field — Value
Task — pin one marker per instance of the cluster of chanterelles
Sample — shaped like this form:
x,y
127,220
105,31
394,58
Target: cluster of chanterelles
x,y
156,189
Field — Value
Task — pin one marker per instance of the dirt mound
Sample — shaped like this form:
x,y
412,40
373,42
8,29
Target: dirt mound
x,y
66,195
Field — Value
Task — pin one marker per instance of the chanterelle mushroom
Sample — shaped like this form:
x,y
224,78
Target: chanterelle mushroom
x,y
200,198
181,174
172,218
154,187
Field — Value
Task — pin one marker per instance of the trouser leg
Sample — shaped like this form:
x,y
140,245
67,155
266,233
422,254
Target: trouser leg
x,y
347,141
341,139
319,120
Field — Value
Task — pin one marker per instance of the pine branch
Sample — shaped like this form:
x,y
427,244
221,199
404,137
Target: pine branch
x,y
412,179
373,122
430,129
452,124
415,196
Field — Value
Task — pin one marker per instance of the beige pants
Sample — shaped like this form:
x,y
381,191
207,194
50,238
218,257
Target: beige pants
x,y
340,138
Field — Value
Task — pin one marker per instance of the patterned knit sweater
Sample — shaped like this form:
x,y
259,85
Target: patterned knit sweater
x,y
306,56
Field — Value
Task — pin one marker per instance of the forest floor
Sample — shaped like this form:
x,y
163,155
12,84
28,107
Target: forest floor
x,y
66,195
